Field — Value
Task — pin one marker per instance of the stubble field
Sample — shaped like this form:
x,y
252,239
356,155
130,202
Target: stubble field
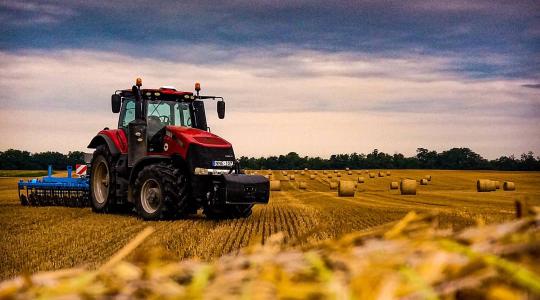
x,y
50,238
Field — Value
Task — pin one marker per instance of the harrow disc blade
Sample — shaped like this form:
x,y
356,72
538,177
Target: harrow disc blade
x,y
55,197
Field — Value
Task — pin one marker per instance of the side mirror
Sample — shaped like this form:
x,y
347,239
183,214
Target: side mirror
x,y
116,102
221,109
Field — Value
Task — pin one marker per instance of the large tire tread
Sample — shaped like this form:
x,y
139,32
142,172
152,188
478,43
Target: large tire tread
x,y
103,150
174,185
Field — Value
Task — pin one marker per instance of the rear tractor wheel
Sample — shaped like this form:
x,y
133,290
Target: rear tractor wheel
x,y
101,180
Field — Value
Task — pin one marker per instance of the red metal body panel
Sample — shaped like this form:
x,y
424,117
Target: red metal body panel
x,y
183,137
118,136
177,143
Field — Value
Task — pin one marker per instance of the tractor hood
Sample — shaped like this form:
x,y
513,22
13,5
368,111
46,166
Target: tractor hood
x,y
200,137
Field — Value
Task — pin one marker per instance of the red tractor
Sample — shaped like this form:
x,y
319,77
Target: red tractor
x,y
163,160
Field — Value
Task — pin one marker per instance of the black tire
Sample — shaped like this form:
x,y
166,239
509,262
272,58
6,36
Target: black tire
x,y
161,191
229,211
102,193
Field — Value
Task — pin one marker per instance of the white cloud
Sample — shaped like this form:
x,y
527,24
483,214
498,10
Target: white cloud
x,y
279,100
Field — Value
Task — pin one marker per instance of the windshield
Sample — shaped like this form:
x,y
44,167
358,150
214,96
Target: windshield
x,y
159,114
169,113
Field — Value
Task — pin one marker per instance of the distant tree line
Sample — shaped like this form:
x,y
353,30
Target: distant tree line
x,y
23,160
453,159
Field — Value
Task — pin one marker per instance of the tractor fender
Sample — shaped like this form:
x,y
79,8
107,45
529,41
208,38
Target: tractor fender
x,y
103,139
141,163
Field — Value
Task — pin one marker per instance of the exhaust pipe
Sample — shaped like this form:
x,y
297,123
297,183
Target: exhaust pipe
x,y
137,141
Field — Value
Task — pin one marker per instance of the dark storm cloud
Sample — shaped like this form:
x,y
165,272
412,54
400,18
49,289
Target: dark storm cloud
x,y
480,29
532,86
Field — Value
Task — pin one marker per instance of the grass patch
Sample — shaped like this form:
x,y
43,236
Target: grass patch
x,y
407,259
22,173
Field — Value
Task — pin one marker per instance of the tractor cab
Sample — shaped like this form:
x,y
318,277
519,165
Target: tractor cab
x,y
160,108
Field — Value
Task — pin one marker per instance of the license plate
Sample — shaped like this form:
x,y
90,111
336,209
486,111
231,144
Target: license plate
x,y
222,163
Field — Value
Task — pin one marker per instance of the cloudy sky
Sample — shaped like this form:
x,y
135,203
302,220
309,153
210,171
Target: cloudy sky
x,y
313,77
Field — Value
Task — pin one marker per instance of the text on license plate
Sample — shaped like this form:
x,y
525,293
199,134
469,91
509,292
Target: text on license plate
x,y
222,163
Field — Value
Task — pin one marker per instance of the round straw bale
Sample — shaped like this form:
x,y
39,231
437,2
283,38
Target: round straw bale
x,y
335,171
408,187
485,185
338,174
509,186
347,169
284,173
302,185
394,185
295,171
333,185
275,185
346,188
371,175
428,177
291,177
329,175
311,177
349,173
360,179
423,181
388,173
305,169
315,173
303,173
497,184
381,174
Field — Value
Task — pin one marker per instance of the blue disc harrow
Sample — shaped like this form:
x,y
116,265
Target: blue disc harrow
x,y
55,191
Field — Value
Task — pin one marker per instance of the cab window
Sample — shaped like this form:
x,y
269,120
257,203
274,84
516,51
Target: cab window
x,y
129,113
182,116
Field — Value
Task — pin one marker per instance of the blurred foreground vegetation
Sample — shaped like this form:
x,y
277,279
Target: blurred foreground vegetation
x,y
409,259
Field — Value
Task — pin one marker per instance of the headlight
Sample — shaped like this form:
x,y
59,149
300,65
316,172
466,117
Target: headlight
x,y
204,171
201,171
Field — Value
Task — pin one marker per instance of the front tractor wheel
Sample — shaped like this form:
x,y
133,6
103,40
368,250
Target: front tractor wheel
x,y
160,192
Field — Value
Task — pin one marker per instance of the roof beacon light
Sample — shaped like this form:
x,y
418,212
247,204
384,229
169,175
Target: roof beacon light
x,y
138,82
197,86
